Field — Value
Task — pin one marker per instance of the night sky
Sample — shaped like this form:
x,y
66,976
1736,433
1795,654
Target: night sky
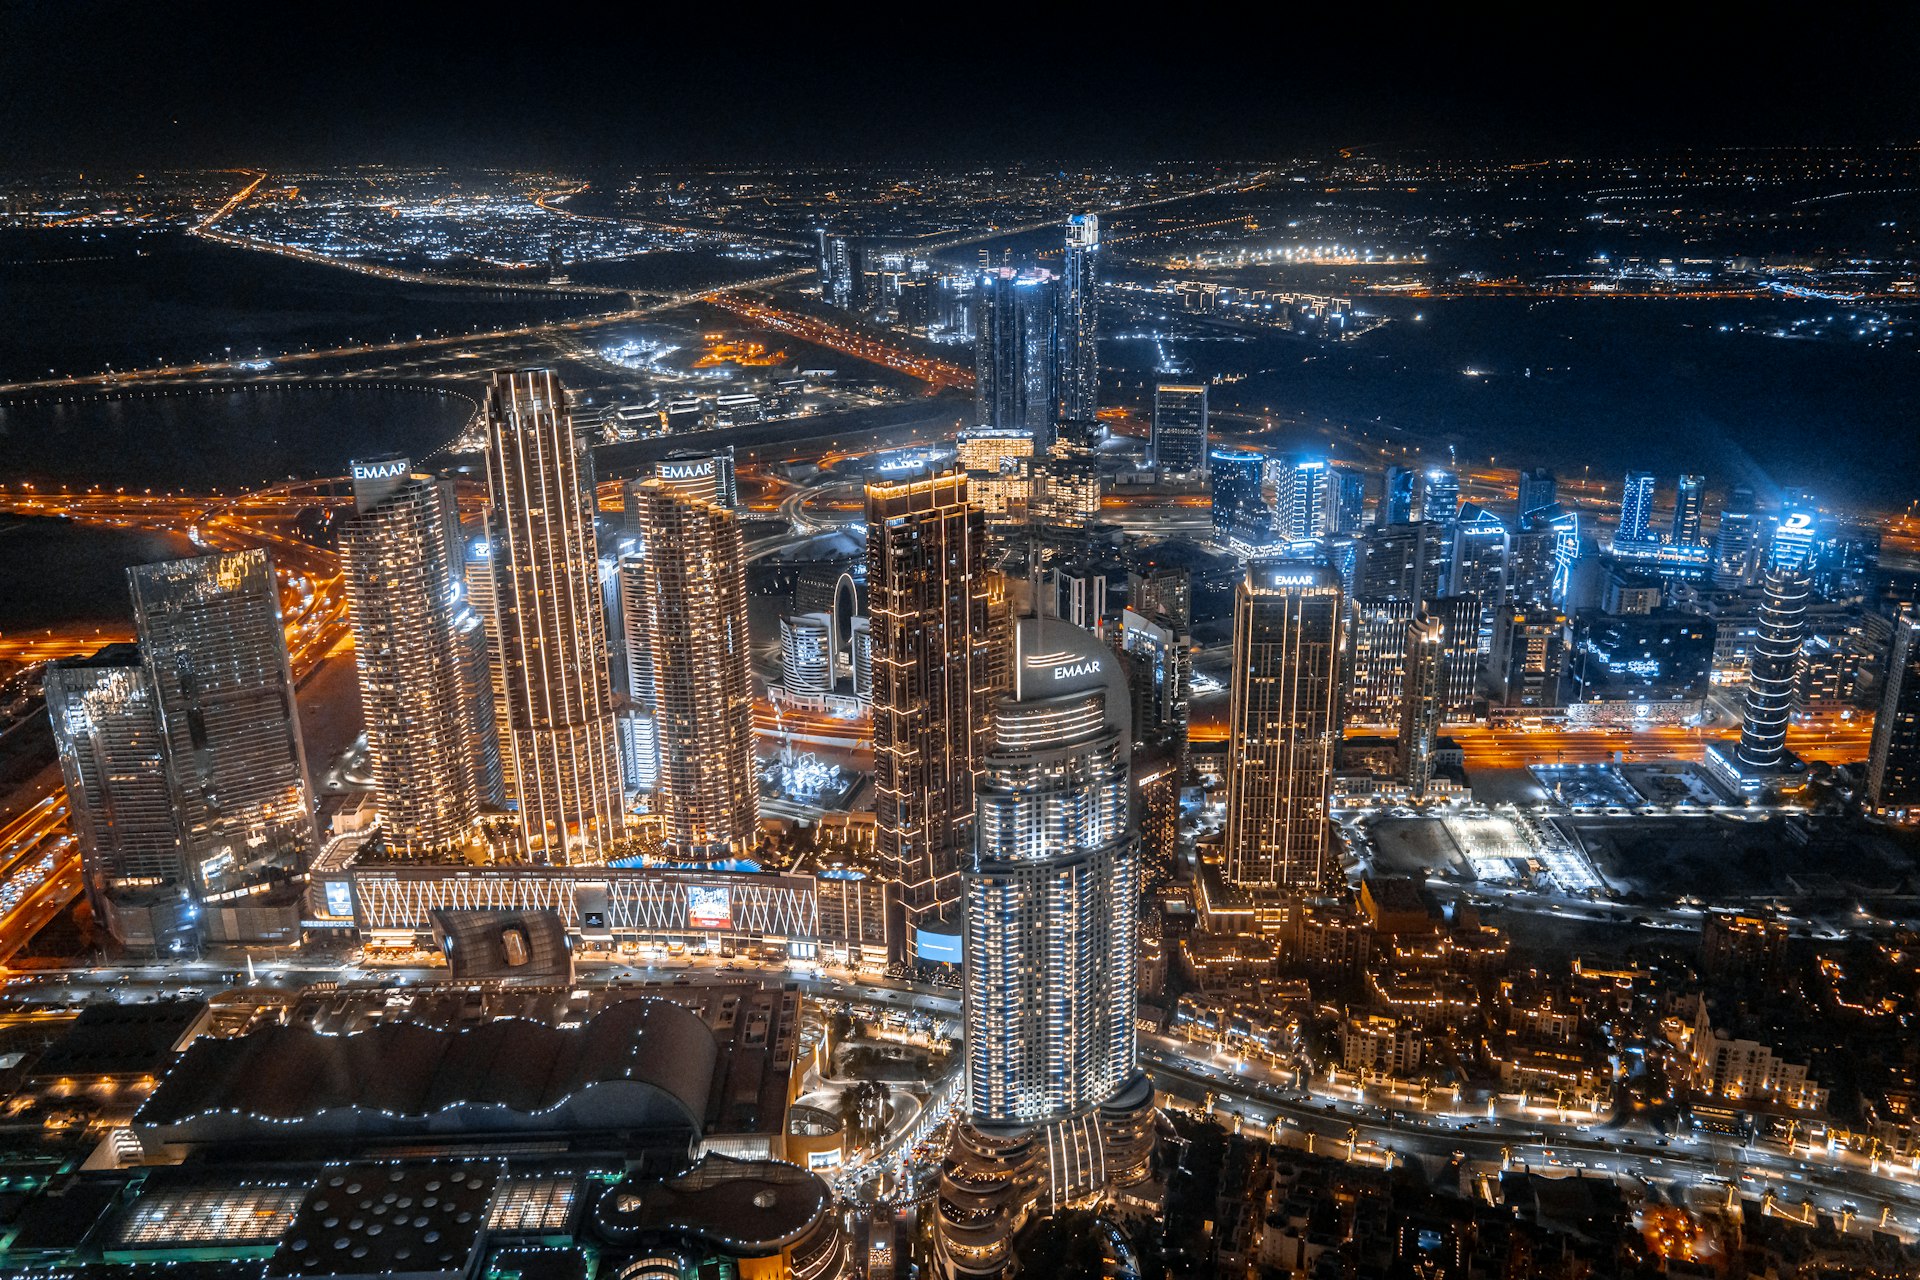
x,y
98,84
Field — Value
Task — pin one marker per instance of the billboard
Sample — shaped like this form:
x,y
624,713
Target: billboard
x,y
709,907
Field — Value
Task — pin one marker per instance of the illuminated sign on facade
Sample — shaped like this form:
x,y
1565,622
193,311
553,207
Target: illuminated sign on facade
x,y
1069,670
709,907
391,469
1294,580
686,470
339,898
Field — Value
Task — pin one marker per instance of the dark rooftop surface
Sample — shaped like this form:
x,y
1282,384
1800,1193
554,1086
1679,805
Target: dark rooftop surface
x,y
749,1207
121,1039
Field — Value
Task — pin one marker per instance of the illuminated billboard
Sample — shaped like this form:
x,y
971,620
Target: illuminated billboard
x,y
339,898
709,907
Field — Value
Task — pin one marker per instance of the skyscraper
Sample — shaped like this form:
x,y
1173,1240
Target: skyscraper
x,y
1300,497
1893,762
215,651
1439,495
1403,561
1422,702
1078,366
1689,502
106,731
1537,490
1179,443
548,624
1636,508
707,796
1056,1107
927,608
1396,499
1013,352
422,676
1734,541
1478,566
1050,889
1283,726
1775,653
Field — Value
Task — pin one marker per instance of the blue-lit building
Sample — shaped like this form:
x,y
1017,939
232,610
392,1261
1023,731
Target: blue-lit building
x,y
1396,499
1013,352
1689,502
1636,509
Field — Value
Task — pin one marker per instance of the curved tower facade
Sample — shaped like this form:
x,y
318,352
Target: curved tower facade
x,y
1057,1110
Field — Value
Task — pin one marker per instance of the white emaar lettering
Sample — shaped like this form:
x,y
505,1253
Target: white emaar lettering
x,y
1072,669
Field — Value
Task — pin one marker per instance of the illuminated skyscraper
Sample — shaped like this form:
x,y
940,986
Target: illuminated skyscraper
x,y
1283,726
106,730
1893,762
1396,499
1179,442
1013,352
1689,502
1734,541
1300,497
1771,662
806,654
1078,367
1403,561
1050,891
1479,564
548,624
696,592
215,650
421,673
1055,1101
1439,495
1422,702
1636,508
927,608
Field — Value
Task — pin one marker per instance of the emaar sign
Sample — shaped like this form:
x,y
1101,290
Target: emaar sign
x,y
1067,671
388,469
686,470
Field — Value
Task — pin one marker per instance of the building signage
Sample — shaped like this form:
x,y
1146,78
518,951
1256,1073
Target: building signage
x,y
709,907
686,470
392,469
1069,670
1294,580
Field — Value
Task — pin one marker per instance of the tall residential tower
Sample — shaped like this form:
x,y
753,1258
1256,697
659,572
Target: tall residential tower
x,y
548,624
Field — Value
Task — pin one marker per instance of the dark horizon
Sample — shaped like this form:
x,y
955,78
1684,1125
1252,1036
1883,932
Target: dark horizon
x,y
112,85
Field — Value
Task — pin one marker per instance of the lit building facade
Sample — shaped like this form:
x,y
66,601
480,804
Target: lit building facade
x,y
1013,352
1775,653
929,647
1056,1106
547,624
1078,363
1422,702
1283,726
1636,508
215,650
707,795
422,677
1178,445
1893,763
106,732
